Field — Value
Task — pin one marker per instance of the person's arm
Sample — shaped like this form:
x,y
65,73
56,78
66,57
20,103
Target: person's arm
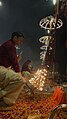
x,y
13,58
19,57
24,78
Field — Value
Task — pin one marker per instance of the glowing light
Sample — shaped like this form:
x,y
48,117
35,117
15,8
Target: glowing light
x,y
43,48
0,3
50,23
54,2
48,31
45,40
39,81
47,65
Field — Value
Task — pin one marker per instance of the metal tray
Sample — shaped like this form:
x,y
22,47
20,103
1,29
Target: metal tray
x,y
56,109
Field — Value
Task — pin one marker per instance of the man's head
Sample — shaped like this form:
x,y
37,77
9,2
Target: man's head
x,y
17,38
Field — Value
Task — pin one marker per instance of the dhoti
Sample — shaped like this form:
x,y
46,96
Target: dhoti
x,y
11,85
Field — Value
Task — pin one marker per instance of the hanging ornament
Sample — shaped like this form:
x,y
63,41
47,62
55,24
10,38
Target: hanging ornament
x,y
49,23
45,40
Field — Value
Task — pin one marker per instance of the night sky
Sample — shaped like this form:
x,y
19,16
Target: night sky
x,y
24,16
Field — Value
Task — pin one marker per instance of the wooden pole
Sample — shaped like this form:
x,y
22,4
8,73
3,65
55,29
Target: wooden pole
x,y
54,42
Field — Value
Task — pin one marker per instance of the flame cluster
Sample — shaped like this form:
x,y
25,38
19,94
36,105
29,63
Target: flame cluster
x,y
38,79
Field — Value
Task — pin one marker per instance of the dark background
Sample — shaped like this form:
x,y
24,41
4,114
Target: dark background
x,y
24,16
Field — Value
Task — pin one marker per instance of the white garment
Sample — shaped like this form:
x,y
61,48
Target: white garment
x,y
11,85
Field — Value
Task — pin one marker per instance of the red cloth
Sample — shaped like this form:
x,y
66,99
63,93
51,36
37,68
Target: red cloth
x,y
60,95
8,56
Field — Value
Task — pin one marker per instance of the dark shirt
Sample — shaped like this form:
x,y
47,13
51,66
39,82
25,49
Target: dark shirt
x,y
25,67
8,56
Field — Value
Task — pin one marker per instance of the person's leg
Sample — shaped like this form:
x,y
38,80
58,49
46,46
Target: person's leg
x,y
11,85
15,90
